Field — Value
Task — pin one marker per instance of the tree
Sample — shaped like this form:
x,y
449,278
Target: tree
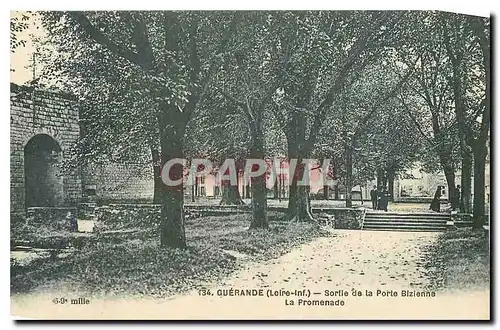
x,y
249,81
328,49
454,76
168,58
482,30
388,146
464,54
367,141
218,133
428,97
467,43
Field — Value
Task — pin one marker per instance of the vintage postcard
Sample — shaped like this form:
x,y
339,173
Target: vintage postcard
x,y
250,165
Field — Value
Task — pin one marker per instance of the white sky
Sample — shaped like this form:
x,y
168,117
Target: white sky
x,y
23,56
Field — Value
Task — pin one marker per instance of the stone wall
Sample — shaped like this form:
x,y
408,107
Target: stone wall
x,y
461,219
34,112
37,114
344,218
59,218
127,216
120,182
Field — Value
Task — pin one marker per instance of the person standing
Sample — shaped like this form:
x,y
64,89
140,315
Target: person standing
x,y
384,199
436,201
374,197
379,198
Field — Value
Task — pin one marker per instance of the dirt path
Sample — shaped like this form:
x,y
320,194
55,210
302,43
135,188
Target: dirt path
x,y
383,263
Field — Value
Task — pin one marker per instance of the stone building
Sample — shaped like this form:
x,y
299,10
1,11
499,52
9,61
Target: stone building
x,y
43,126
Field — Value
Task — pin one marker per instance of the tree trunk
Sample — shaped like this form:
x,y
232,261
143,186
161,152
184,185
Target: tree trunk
x,y
464,134
276,190
231,193
292,197
480,150
384,180
380,177
259,203
390,180
172,206
293,153
280,185
299,203
172,232
158,183
259,190
479,182
172,214
336,192
303,212
449,173
466,182
361,194
231,196
348,177
326,189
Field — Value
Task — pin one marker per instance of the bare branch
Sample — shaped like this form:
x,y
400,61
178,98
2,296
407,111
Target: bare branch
x,y
414,120
354,53
232,99
102,39
392,93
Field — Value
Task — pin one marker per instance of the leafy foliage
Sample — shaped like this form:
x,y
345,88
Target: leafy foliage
x,y
18,23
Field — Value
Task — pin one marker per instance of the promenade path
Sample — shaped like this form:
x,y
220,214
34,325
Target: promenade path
x,y
383,263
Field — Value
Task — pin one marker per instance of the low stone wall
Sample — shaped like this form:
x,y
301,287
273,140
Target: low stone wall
x,y
423,200
147,216
461,219
58,218
127,216
86,211
344,218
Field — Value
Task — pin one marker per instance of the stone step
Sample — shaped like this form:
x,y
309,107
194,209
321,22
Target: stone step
x,y
405,218
407,215
399,219
405,222
433,229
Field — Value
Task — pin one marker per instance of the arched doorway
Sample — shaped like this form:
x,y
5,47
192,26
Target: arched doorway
x,y
43,178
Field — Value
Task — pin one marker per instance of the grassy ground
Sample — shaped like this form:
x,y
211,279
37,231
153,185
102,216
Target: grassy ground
x,y
460,260
133,263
